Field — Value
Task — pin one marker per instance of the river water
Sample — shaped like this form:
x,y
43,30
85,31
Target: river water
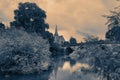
x,y
63,70
68,72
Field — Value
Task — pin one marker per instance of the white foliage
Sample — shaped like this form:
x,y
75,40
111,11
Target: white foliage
x,y
21,52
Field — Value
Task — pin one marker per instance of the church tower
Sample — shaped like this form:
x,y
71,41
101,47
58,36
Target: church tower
x,y
56,31
58,39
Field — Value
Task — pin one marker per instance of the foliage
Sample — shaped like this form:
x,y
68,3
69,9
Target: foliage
x,y
104,60
23,53
113,34
113,19
31,18
56,50
113,25
2,26
73,41
91,38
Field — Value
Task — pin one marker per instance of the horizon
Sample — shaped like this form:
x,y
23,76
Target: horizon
x,y
74,18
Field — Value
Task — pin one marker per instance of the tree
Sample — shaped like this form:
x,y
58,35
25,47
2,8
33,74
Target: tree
x,y
113,25
2,26
31,18
102,59
91,38
73,41
113,34
23,53
113,19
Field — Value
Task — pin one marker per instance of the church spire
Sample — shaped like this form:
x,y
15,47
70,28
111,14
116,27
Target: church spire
x,y
56,31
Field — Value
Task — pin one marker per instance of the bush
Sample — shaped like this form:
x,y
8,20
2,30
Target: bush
x,y
23,53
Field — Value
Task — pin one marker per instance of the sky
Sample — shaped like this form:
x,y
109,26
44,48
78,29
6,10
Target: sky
x,y
74,18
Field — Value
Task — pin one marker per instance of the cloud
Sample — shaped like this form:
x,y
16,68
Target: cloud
x,y
79,15
7,8
70,15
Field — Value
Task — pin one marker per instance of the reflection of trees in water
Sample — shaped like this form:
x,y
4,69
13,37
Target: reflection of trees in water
x,y
44,76
59,63
68,69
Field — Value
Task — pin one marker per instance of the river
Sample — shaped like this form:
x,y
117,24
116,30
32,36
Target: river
x,y
63,70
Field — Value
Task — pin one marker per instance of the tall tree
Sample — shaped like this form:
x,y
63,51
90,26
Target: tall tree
x,y
31,18
113,25
113,19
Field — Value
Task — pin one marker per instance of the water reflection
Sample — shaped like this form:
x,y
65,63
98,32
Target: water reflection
x,y
42,76
25,77
74,67
66,71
